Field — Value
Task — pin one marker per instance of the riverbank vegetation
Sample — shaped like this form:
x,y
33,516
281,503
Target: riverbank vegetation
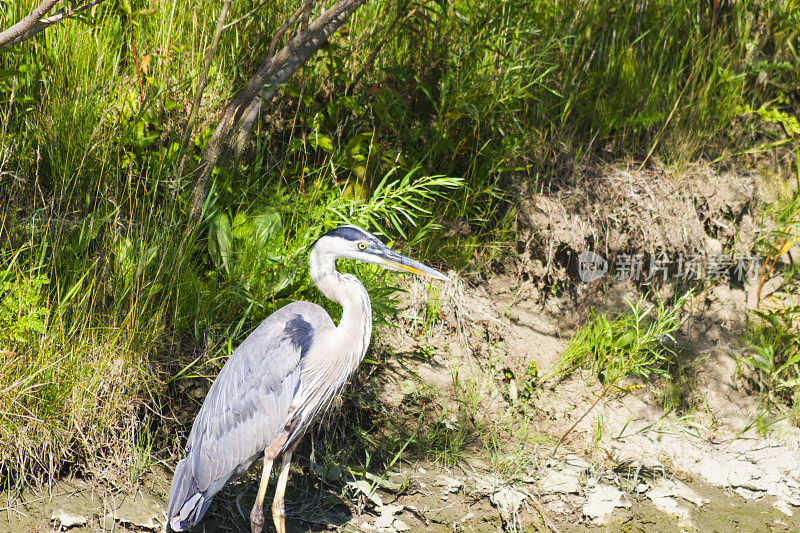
x,y
420,120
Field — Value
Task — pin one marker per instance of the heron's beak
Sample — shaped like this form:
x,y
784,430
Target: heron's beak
x,y
390,259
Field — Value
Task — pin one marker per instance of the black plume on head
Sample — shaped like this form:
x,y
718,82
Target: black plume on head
x,y
352,234
348,233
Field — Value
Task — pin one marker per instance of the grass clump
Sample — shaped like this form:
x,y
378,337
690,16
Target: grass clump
x,y
775,356
773,336
65,399
638,343
22,310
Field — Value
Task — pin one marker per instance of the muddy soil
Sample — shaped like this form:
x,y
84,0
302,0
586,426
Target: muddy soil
x,y
432,498
627,465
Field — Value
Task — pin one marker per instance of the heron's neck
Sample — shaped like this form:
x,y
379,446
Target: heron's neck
x,y
355,327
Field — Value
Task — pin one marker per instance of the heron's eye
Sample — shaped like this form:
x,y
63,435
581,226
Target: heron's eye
x,y
362,246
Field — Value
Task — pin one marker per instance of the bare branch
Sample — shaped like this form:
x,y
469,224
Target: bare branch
x,y
69,11
17,33
275,71
254,109
34,23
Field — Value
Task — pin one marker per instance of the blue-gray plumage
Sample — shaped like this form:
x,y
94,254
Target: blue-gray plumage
x,y
279,379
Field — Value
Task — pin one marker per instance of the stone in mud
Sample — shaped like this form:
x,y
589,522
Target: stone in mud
x,y
601,502
672,488
665,494
386,522
564,482
576,463
783,507
142,511
509,502
362,486
448,484
65,519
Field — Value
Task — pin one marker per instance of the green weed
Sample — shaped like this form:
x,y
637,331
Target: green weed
x,y
22,310
773,336
774,356
637,343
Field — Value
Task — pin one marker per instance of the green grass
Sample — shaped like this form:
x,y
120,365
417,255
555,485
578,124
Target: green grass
x,y
773,347
111,293
772,337
636,343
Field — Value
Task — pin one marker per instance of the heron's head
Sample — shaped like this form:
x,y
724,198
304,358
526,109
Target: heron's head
x,y
352,242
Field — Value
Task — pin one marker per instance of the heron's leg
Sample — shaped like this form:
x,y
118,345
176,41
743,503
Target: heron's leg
x,y
278,510
257,514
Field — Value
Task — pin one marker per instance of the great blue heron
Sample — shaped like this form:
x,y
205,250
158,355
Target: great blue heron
x,y
279,379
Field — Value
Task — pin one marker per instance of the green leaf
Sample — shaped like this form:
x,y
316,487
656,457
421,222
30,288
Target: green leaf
x,y
319,140
627,340
242,227
220,242
351,104
90,228
355,145
268,229
124,264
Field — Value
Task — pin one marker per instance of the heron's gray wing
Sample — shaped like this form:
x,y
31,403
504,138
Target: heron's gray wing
x,y
246,407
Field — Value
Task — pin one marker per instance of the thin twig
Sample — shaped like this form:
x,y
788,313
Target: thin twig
x,y
201,85
68,12
547,522
136,61
246,16
772,260
591,407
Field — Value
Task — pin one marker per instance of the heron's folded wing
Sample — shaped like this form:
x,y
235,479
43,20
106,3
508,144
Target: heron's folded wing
x,y
248,404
